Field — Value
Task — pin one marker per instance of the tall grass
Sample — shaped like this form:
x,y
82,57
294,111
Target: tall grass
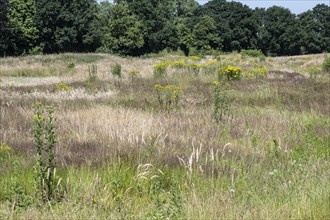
x,y
120,157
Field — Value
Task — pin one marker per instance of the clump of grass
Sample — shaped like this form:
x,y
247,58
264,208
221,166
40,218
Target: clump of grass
x,y
179,65
116,70
326,64
314,72
92,73
133,74
71,65
258,73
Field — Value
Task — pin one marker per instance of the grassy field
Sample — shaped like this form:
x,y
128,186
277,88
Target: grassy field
x,y
143,143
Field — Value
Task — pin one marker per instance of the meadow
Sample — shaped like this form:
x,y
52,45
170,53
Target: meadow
x,y
169,136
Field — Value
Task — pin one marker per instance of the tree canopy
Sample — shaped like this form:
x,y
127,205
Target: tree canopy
x,y
136,27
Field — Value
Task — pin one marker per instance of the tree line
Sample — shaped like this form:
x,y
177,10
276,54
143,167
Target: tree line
x,y
137,27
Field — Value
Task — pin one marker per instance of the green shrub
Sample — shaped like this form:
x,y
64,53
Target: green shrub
x,y
116,70
253,53
326,65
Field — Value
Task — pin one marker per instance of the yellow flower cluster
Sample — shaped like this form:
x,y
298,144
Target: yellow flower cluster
x,y
195,57
231,73
133,72
232,69
259,72
168,96
4,148
62,87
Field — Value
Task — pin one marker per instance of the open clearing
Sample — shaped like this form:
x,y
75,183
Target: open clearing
x,y
122,153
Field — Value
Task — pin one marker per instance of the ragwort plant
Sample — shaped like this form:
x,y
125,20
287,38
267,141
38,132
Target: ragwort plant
x,y
45,140
223,100
133,74
62,86
168,96
230,73
160,69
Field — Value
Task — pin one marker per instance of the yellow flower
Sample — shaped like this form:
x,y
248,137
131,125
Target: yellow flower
x,y
5,148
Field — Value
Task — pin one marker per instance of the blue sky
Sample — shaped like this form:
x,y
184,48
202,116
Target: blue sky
x,y
295,6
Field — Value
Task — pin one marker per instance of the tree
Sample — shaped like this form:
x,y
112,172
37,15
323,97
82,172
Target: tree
x,y
20,30
68,26
279,32
186,38
235,23
205,34
124,34
316,23
157,18
3,26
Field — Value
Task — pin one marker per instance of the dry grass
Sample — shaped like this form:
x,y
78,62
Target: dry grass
x,y
118,119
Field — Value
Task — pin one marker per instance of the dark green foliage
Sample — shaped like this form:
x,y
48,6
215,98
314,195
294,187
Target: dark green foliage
x,y
125,31
68,25
205,35
235,23
3,26
316,24
129,27
20,32
281,33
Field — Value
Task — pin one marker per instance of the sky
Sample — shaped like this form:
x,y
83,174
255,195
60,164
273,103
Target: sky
x,y
295,6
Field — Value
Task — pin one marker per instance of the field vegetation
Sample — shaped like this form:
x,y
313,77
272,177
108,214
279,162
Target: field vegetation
x,y
233,136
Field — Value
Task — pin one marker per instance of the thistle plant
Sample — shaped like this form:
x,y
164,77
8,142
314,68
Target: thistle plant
x,y
45,140
222,101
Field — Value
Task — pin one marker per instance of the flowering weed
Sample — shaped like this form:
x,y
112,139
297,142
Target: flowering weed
x,y
168,96
230,73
